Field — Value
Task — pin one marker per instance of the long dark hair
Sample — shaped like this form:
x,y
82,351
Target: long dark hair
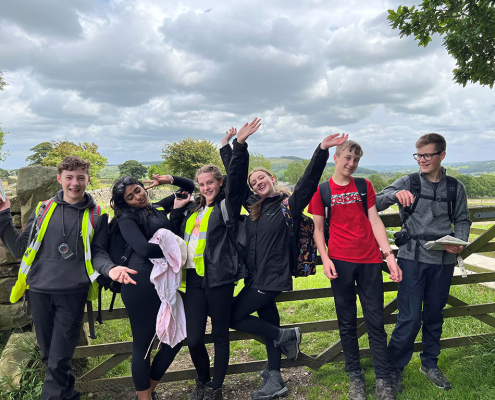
x,y
121,209
217,174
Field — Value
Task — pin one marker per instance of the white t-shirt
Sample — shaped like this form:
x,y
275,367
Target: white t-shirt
x,y
193,239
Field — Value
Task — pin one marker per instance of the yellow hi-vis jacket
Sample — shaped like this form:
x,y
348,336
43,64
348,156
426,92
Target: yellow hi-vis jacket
x,y
203,227
44,211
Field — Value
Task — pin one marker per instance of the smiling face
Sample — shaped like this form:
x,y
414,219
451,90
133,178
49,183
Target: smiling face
x,y
209,186
346,163
262,183
136,196
74,184
433,166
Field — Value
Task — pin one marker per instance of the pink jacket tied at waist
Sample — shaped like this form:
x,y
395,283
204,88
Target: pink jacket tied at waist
x,y
167,276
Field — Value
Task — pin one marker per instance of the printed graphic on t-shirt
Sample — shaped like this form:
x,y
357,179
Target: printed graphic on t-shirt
x,y
346,198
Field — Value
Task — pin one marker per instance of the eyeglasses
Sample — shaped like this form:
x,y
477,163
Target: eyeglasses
x,y
426,157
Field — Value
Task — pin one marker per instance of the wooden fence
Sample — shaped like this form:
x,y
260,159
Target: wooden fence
x,y
92,381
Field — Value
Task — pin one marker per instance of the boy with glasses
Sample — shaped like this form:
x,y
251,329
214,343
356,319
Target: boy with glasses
x,y
439,201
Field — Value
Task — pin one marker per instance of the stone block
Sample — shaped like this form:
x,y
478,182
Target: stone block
x,y
6,285
36,183
13,316
15,204
16,219
6,257
16,355
9,270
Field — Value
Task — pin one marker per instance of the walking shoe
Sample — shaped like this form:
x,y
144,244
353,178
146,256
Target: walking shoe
x,y
199,391
356,387
384,390
289,341
213,394
436,376
396,374
273,386
154,396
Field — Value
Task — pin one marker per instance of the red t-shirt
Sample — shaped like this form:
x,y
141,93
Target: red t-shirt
x,y
351,236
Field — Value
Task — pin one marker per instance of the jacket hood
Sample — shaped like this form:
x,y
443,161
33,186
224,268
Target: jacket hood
x,y
87,202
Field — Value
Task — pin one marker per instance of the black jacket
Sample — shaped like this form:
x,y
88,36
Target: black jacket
x,y
222,265
50,272
269,261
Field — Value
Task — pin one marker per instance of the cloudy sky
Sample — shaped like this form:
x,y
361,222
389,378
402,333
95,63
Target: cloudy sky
x,y
132,76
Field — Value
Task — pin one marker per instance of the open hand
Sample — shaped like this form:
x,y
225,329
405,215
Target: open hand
x,y
333,140
405,198
4,204
121,274
229,135
158,180
248,129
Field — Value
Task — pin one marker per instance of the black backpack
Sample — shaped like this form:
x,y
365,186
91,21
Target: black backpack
x,y
326,198
236,231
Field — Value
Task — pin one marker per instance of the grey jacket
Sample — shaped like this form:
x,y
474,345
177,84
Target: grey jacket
x,y
430,217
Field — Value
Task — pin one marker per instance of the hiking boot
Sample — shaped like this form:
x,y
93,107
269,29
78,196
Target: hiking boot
x,y
199,391
213,394
289,341
356,387
396,374
384,390
154,396
273,386
436,376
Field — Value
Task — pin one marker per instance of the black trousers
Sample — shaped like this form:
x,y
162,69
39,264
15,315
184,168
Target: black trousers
x,y
142,304
267,325
420,302
199,303
57,319
369,281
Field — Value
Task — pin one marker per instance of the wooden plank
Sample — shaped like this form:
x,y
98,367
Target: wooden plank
x,y
487,248
487,319
256,366
478,209
105,367
478,243
474,278
478,231
478,270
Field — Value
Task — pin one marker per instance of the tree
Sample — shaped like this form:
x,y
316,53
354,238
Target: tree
x,y
133,168
156,169
294,171
40,152
2,82
2,142
468,28
378,183
185,157
259,160
86,151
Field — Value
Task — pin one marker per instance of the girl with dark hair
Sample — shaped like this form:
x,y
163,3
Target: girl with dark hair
x,y
138,220
269,261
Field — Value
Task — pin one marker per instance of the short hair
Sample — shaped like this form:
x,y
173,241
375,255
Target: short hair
x,y
71,163
350,145
432,138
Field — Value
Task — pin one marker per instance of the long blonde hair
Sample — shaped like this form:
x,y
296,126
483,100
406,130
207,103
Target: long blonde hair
x,y
217,174
255,209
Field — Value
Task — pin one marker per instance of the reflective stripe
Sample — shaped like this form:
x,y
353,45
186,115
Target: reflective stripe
x,y
24,268
203,228
36,246
93,276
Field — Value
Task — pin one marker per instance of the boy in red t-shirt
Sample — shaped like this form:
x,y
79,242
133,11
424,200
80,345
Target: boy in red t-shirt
x,y
354,258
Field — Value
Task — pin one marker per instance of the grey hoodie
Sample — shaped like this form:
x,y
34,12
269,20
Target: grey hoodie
x,y
50,272
430,217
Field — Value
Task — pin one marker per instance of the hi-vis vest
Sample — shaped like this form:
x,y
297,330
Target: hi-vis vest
x,y
198,253
44,211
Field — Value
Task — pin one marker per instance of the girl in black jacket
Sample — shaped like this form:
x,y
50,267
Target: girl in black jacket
x,y
269,262
213,266
138,220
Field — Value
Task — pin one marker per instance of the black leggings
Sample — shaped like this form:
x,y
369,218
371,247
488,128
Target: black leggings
x,y
199,303
142,304
267,325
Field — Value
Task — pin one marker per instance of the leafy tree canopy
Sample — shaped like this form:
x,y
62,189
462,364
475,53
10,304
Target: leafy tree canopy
x,y
468,30
378,183
133,168
185,157
2,82
2,142
259,160
86,151
40,151
294,171
156,169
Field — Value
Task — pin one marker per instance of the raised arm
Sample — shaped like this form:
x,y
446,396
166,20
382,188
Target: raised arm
x,y
226,149
185,184
14,241
395,193
308,183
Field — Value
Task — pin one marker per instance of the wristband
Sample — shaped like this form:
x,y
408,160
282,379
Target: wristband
x,y
171,179
387,253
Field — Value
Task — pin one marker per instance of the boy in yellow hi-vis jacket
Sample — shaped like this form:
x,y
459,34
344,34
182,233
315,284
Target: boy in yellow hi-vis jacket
x,y
63,250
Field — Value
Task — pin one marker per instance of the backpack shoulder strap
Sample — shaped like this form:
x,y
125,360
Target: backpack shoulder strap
x,y
326,199
362,189
451,196
415,189
289,220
